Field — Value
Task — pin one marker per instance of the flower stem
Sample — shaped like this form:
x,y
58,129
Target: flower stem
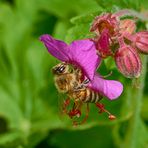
x,y
131,139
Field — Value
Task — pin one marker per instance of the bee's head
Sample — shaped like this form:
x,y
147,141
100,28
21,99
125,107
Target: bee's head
x,y
60,69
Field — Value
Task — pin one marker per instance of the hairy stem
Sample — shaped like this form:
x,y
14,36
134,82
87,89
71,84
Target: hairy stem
x,y
133,130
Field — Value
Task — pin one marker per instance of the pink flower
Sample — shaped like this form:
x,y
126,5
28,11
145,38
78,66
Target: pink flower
x,y
110,30
103,45
105,27
82,53
104,21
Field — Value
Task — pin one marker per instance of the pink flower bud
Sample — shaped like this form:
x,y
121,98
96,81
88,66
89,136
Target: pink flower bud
x,y
140,40
127,26
128,61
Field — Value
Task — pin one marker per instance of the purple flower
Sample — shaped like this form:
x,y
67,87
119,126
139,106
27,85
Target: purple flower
x,y
109,88
82,53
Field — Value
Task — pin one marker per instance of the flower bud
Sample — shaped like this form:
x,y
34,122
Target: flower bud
x,y
140,40
128,61
104,21
127,26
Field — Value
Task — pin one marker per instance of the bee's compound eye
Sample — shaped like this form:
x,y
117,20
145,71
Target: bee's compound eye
x,y
61,69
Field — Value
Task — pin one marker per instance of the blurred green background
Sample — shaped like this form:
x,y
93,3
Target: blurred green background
x,y
29,110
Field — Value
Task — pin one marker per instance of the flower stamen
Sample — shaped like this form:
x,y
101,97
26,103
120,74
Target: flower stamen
x,y
102,109
108,75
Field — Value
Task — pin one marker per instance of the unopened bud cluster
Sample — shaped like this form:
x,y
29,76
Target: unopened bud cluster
x,y
117,37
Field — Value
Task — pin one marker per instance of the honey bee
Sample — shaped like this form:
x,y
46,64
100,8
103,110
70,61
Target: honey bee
x,y
68,80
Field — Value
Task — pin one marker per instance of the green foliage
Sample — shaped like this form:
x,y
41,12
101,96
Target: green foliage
x,y
28,99
81,29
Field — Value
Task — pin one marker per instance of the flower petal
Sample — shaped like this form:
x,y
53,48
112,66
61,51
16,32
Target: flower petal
x,y
109,88
56,48
83,54
103,44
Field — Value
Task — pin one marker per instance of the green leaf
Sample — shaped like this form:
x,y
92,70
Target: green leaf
x,y
95,137
81,27
69,8
110,64
7,139
78,32
82,19
60,30
10,110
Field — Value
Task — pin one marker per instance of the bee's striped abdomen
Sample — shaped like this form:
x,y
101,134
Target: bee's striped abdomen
x,y
91,96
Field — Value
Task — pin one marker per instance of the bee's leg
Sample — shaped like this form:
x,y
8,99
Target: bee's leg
x,y
78,107
81,86
65,105
85,82
78,87
86,115
102,109
76,110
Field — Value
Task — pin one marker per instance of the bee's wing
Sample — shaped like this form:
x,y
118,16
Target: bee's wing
x,y
109,88
64,105
61,98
